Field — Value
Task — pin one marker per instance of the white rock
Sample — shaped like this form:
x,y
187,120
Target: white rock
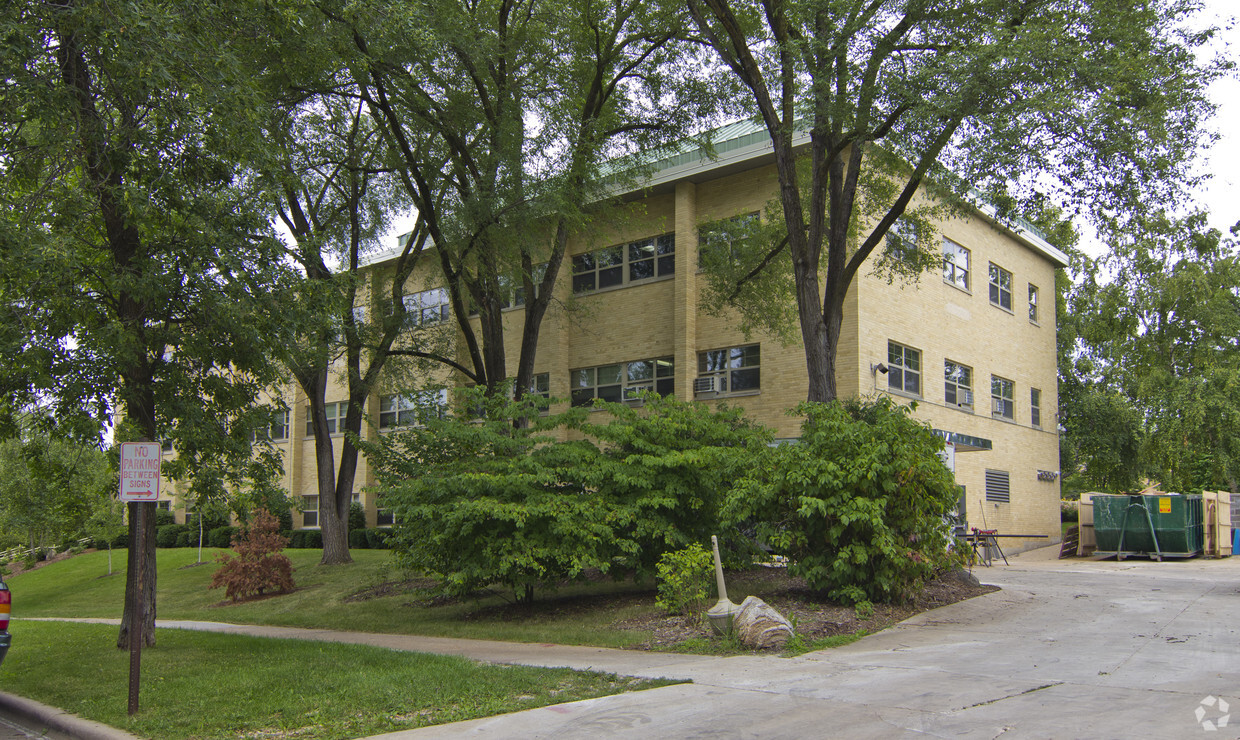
x,y
759,626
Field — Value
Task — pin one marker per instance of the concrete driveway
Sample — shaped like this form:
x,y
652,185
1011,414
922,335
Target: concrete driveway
x,y
1068,649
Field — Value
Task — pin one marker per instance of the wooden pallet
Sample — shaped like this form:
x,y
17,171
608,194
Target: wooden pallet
x,y
1071,539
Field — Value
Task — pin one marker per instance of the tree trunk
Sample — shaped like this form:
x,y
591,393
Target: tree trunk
x,y
146,560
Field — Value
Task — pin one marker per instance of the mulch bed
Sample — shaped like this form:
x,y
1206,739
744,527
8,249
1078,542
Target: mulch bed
x,y
814,616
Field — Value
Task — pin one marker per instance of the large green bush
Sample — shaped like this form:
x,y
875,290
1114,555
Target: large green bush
x,y
167,535
487,500
857,504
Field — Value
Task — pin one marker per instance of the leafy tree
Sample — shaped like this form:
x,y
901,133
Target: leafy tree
x,y
50,489
869,104
487,500
335,196
107,520
258,567
132,266
501,115
1159,319
857,504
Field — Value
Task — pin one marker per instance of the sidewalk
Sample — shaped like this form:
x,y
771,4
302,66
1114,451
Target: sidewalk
x,y
1067,649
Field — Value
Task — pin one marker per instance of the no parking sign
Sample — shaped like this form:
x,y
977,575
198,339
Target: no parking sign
x,y
140,471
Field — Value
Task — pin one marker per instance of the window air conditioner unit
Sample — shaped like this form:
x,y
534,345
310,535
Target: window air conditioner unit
x,y
964,398
704,385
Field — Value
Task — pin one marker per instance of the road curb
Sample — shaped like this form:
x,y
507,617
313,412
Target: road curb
x,y
59,721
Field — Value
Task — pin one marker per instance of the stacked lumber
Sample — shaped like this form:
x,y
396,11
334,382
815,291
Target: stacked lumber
x,y
1216,518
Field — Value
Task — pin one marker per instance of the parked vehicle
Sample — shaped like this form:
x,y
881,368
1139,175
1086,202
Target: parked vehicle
x,y
6,603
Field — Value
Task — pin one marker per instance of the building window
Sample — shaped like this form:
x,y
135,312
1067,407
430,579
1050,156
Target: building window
x,y
512,294
335,413
279,426
958,384
427,307
731,370
902,239
309,511
717,241
998,486
1033,303
409,409
163,505
536,276
1002,395
384,518
903,369
1000,287
955,264
540,385
622,381
639,260
1035,407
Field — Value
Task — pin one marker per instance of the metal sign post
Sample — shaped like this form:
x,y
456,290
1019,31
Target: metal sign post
x,y
140,465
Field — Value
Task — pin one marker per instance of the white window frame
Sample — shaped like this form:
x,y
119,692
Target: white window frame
x,y
721,370
1035,407
1033,303
619,262
586,384
278,431
310,512
956,274
1002,398
427,307
713,241
957,385
336,411
406,410
899,367
1000,287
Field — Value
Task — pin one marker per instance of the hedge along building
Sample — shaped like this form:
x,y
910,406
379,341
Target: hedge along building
x,y
973,346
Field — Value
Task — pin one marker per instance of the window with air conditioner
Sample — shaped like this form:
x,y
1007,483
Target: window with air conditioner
x,y
623,381
958,385
729,371
1002,398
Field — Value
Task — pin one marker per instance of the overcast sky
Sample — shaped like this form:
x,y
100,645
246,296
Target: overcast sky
x,y
1221,197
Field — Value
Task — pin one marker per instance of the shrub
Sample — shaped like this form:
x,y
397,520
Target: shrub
x,y
377,539
312,539
297,539
857,504
166,536
221,536
1069,511
121,540
357,539
357,517
684,580
259,567
486,501
164,517
188,538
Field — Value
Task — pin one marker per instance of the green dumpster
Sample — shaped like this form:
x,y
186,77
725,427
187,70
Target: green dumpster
x,y
1170,526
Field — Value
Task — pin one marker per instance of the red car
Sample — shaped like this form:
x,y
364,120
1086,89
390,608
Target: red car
x,y
6,602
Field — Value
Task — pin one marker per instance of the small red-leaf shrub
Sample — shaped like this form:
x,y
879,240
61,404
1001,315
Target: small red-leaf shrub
x,y
259,567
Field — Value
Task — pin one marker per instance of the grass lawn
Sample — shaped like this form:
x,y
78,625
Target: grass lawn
x,y
80,587
203,685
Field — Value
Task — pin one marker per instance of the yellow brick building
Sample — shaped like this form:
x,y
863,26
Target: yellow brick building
x,y
973,345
